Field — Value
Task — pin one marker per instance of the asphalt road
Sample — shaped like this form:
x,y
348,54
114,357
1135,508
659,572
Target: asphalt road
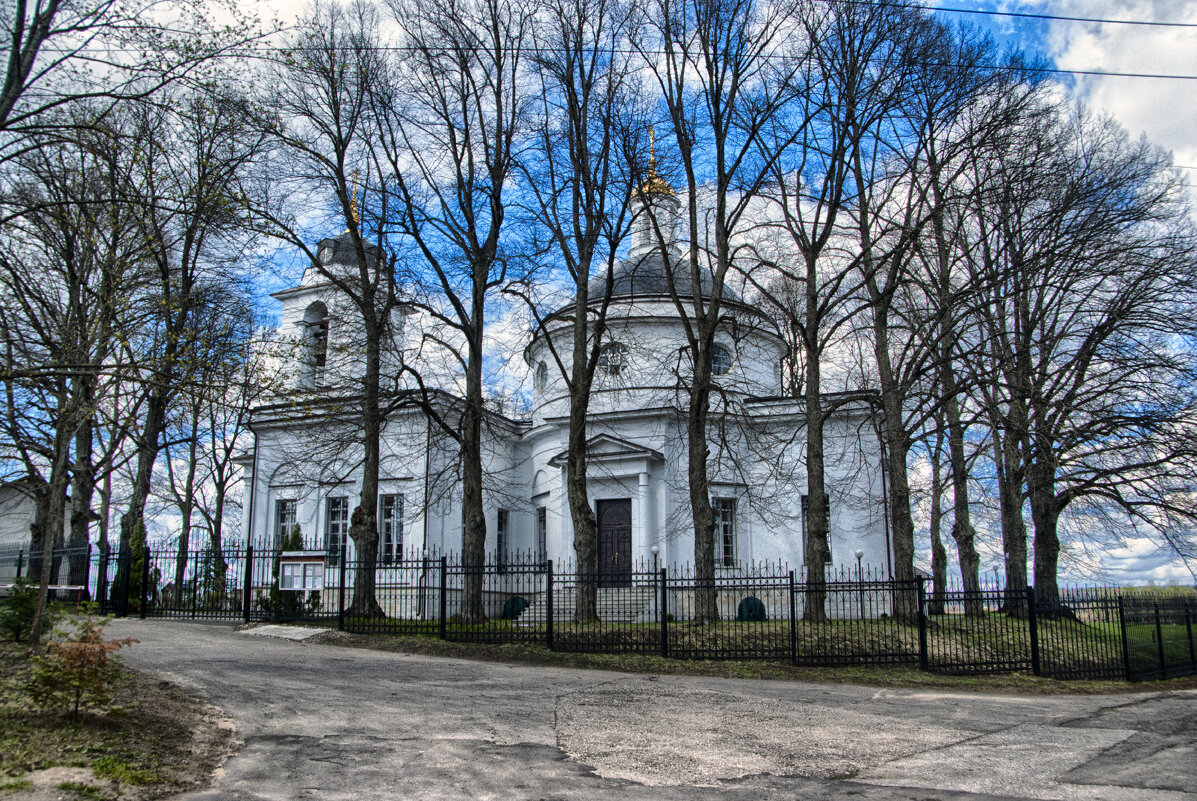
x,y
320,721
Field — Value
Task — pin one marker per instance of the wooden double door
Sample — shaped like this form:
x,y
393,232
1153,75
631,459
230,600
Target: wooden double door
x,y
614,542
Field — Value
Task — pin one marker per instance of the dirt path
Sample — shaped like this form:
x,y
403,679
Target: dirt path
x,y
320,721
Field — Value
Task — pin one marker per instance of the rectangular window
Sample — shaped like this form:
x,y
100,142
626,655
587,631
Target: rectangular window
x,y
805,529
501,541
542,534
336,526
301,576
390,528
284,520
725,531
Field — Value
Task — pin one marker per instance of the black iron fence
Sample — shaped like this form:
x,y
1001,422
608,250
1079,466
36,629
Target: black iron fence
x,y
749,612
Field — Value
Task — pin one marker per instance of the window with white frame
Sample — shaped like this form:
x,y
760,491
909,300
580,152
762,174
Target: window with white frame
x,y
542,533
390,527
301,576
336,526
501,541
284,520
721,360
725,531
806,529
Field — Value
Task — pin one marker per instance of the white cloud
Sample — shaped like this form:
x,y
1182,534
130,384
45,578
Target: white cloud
x,y
1162,109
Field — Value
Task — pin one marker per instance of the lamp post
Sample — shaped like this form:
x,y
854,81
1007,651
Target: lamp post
x,y
656,549
860,581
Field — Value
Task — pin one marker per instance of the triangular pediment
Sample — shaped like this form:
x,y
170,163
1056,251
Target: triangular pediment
x,y
604,447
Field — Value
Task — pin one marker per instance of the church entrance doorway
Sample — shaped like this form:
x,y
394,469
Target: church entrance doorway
x,y
614,542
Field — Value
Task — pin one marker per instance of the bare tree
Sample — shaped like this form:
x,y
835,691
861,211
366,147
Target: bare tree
x,y
99,54
204,426
192,189
1084,243
453,117
726,74
579,179
68,268
329,142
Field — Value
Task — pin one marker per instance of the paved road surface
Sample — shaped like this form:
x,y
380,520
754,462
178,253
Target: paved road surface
x,y
323,722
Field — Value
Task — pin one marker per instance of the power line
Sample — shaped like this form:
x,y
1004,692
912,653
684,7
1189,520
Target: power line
x,y
261,51
1030,15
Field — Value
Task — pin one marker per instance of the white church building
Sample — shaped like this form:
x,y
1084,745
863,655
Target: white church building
x,y
304,469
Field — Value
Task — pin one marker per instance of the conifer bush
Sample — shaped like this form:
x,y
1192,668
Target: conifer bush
x,y
79,670
17,608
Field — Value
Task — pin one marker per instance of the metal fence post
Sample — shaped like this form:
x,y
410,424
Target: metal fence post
x,y
924,659
102,580
548,622
120,592
247,581
1033,624
1189,631
1159,641
793,624
444,597
145,581
1126,663
87,573
20,561
664,613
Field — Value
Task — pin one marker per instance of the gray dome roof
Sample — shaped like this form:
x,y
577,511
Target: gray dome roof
x,y
341,250
646,275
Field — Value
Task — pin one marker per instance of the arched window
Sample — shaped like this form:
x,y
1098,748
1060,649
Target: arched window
x,y
315,326
721,360
613,358
541,380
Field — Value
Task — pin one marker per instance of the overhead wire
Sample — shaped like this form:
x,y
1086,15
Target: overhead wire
x,y
259,49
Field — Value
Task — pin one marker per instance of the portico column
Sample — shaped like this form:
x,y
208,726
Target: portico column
x,y
645,531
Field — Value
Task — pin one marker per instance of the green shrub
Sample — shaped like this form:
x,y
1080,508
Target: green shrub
x,y
79,669
17,608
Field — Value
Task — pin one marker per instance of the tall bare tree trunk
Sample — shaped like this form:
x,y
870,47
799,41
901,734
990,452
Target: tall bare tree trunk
x,y
51,519
1045,514
817,547
473,513
363,523
939,554
1014,527
577,492
705,597
83,479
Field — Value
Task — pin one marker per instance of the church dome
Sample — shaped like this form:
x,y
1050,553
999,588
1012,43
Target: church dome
x,y
647,276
